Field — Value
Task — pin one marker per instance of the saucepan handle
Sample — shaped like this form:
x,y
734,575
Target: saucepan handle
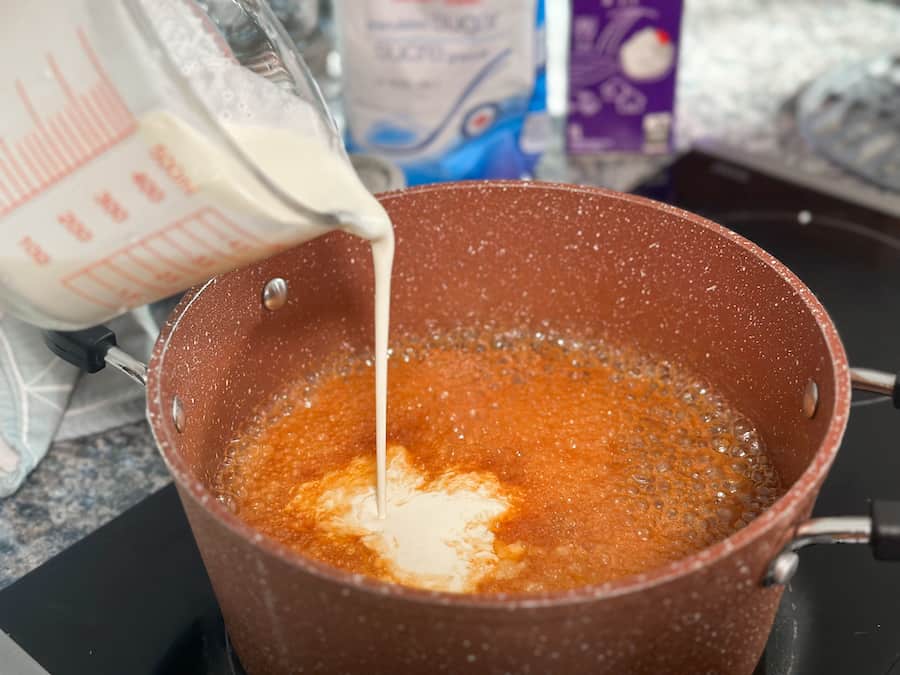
x,y
880,529
94,348
877,382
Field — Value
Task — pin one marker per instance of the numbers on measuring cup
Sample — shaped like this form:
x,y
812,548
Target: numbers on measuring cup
x,y
167,162
148,186
75,226
34,250
166,277
130,296
111,206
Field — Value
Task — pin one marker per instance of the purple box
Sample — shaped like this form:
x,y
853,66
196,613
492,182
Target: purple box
x,y
623,56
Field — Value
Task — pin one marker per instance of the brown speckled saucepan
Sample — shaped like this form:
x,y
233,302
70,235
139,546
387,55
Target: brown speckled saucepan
x,y
583,259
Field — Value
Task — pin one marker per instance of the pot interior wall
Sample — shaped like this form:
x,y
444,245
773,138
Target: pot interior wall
x,y
585,261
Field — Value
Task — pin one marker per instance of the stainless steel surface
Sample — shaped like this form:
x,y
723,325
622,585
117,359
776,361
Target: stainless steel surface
x,y
178,414
810,399
126,363
876,381
833,530
14,660
783,569
274,294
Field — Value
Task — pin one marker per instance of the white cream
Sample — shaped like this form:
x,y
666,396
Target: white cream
x,y
288,141
318,177
304,167
438,534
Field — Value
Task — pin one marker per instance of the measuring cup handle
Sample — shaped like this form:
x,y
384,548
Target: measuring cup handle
x,y
92,349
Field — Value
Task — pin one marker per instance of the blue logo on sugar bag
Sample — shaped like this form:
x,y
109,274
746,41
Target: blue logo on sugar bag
x,y
486,136
387,137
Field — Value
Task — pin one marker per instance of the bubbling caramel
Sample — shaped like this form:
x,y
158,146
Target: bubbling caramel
x,y
601,461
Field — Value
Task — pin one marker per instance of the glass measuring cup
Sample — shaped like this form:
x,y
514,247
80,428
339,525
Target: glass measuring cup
x,y
144,149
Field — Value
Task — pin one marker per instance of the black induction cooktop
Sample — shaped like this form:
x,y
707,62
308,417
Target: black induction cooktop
x,y
133,597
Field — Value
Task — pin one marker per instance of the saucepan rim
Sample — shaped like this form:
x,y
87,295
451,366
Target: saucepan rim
x,y
782,515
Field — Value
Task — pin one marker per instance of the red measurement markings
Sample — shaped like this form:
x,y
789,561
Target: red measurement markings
x,y
121,294
34,250
93,119
235,244
178,253
68,136
170,166
44,160
212,217
7,193
72,112
216,220
75,226
87,295
16,174
49,146
8,198
94,101
111,206
198,259
140,283
163,258
40,158
109,108
148,186
66,142
27,160
219,253
115,98
165,276
114,111
239,240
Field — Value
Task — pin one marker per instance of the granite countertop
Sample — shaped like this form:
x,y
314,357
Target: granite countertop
x,y
740,65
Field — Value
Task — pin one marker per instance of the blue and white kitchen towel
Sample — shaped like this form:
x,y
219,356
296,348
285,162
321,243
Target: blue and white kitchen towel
x,y
43,398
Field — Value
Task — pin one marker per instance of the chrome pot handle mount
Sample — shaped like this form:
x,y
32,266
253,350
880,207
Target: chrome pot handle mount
x,y
94,348
880,529
877,382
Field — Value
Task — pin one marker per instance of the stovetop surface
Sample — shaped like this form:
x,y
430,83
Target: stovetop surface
x,y
134,597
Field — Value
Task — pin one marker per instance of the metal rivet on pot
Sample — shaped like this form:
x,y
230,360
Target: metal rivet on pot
x,y
275,294
810,399
178,414
783,568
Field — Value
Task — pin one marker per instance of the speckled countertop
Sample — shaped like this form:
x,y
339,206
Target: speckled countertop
x,y
740,65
